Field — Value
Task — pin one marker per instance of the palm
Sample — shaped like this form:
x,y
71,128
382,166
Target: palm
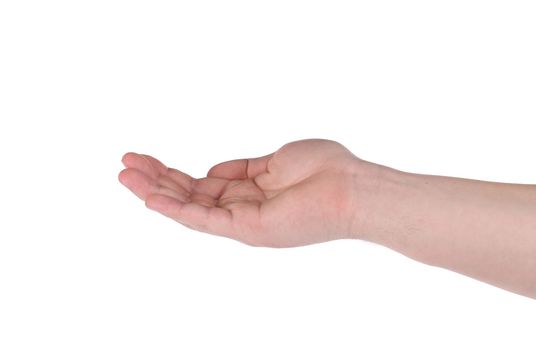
x,y
292,197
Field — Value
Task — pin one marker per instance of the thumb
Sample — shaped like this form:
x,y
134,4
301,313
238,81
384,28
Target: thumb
x,y
241,168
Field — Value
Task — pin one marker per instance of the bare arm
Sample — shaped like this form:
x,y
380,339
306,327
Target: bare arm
x,y
481,229
314,191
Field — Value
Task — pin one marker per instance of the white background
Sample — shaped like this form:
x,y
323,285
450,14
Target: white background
x,y
424,86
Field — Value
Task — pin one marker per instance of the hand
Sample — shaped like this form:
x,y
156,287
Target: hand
x,y
301,194
314,191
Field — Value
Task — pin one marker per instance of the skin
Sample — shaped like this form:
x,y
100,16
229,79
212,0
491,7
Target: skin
x,y
314,191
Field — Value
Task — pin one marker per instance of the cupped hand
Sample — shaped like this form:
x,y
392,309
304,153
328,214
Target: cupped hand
x,y
301,194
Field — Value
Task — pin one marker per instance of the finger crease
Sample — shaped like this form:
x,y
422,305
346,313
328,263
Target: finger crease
x,y
247,168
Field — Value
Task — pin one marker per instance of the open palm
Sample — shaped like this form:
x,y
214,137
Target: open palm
x,y
298,195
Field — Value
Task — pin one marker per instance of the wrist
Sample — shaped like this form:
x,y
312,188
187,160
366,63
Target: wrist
x,y
382,201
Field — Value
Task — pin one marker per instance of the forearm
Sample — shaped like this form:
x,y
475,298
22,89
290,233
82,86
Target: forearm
x,y
481,229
